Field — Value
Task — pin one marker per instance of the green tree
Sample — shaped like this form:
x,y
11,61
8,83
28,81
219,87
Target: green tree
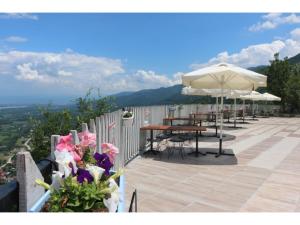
x,y
292,90
51,122
90,107
279,72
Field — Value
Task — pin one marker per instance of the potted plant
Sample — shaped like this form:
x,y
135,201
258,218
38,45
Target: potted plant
x,y
85,181
127,118
171,111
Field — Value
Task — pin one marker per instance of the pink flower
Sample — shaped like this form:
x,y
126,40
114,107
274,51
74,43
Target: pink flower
x,y
65,143
87,139
110,150
77,153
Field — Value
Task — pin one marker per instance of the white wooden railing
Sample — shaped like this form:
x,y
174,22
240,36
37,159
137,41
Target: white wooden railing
x,y
108,128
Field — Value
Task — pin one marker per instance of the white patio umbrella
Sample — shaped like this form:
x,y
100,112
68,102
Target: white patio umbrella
x,y
224,76
216,93
198,92
234,94
270,97
254,96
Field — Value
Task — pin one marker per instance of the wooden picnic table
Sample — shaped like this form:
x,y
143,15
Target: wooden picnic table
x,y
194,115
194,119
196,129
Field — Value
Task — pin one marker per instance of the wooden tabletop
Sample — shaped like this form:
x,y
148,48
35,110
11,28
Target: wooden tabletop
x,y
180,118
173,128
207,113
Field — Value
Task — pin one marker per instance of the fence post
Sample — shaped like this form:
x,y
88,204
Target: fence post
x,y
92,126
75,137
54,141
98,134
27,173
85,127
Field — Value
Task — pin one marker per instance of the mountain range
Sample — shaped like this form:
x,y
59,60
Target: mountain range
x,y
172,94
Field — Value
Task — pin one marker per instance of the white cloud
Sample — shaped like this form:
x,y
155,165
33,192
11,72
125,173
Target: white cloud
x,y
259,54
64,73
295,34
273,20
139,80
177,77
71,71
77,71
18,16
27,73
15,39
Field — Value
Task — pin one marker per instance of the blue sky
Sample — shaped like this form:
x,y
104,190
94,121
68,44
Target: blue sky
x,y
59,56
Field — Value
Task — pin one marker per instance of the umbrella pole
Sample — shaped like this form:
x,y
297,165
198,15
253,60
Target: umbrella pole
x,y
235,112
243,110
253,109
221,152
217,110
221,125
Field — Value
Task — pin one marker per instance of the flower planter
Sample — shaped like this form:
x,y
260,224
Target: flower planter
x,y
172,108
44,198
128,122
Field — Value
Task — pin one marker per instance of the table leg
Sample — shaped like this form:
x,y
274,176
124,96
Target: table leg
x,y
200,130
171,122
152,151
197,149
151,142
196,152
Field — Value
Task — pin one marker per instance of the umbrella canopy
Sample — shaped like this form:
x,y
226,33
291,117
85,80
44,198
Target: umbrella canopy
x,y
202,92
196,92
270,97
224,76
236,94
254,96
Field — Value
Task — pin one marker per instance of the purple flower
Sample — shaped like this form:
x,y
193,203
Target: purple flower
x,y
103,162
83,175
72,169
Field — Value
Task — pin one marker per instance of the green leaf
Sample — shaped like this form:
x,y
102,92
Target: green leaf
x,y
88,205
73,204
67,210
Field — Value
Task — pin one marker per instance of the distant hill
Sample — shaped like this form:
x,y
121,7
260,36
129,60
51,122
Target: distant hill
x,y
159,96
295,59
172,95
121,94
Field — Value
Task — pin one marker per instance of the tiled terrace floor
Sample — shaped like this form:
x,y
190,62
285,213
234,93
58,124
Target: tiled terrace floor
x,y
263,177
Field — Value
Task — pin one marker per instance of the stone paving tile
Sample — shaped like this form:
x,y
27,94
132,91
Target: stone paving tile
x,y
278,192
163,203
209,184
260,204
200,207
